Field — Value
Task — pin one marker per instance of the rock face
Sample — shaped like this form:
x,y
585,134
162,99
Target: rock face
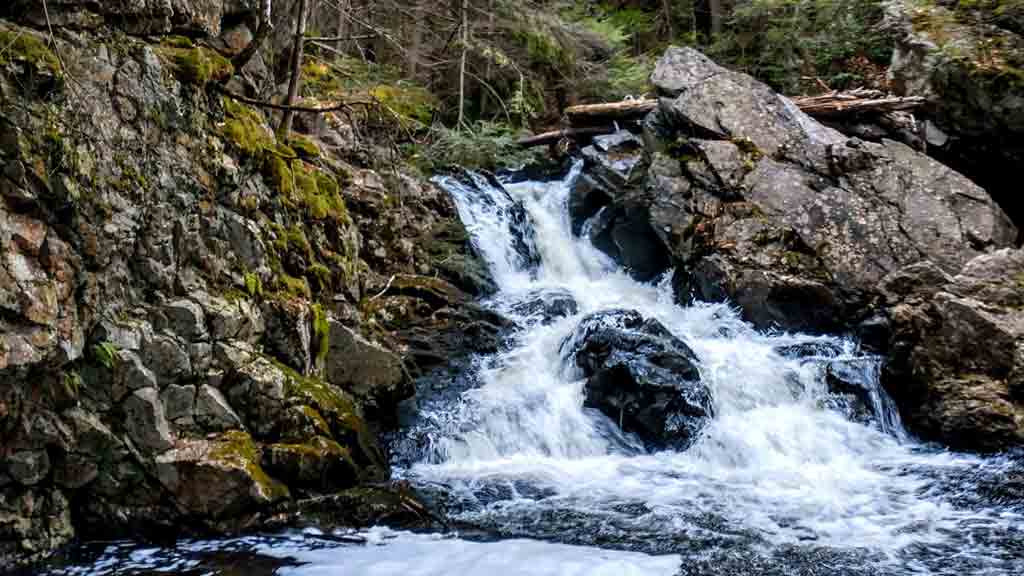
x,y
967,60
792,221
806,229
641,377
188,329
958,351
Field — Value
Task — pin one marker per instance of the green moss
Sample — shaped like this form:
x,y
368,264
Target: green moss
x,y
20,45
322,333
294,287
322,275
303,146
410,102
316,419
237,447
253,284
244,128
194,64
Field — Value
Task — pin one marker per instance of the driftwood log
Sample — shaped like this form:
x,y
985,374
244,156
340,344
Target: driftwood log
x,y
832,105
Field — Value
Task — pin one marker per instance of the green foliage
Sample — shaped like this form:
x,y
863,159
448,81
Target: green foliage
x,y
409,102
106,354
784,42
485,145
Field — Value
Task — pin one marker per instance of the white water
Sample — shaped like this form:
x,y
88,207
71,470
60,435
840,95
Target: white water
x,y
775,461
778,482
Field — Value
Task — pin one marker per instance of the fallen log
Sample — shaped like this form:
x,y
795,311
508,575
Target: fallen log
x,y
610,110
555,136
832,105
837,104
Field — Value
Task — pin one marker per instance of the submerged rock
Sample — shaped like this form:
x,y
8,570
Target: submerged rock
x,y
640,376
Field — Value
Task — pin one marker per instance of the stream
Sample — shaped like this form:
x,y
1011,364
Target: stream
x,y
784,479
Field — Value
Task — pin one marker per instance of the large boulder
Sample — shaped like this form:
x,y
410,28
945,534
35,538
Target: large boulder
x,y
641,376
957,368
797,224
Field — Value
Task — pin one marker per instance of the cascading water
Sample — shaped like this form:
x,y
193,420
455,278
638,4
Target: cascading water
x,y
784,479
781,475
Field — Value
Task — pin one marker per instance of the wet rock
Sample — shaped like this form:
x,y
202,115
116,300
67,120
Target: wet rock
x,y
28,467
145,421
365,369
218,478
319,464
212,411
853,383
32,523
641,377
623,231
549,305
585,200
958,355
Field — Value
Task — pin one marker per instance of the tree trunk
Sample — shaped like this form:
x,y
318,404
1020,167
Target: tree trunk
x,y
296,66
343,8
715,7
462,65
416,38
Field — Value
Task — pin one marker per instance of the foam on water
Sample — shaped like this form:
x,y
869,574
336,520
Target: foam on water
x,y
780,481
775,461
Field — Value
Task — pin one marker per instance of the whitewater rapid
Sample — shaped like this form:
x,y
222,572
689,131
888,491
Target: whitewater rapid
x,y
781,480
778,462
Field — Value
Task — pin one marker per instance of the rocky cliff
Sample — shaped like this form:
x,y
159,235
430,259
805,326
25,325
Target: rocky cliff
x,y
200,324
806,229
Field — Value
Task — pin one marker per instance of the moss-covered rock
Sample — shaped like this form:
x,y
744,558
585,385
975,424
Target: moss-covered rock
x,y
192,64
319,464
218,478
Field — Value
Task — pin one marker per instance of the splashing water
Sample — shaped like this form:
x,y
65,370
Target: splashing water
x,y
783,480
779,467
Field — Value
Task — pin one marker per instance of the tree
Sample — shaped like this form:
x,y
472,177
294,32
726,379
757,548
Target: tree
x,y
295,81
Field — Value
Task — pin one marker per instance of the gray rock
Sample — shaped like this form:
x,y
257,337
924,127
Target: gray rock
x,y
130,374
641,376
186,319
218,478
957,363
145,421
288,335
233,320
789,219
166,357
366,369
179,402
28,467
213,411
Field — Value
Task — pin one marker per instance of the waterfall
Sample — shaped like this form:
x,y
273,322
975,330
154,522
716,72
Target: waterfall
x,y
804,467
784,462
